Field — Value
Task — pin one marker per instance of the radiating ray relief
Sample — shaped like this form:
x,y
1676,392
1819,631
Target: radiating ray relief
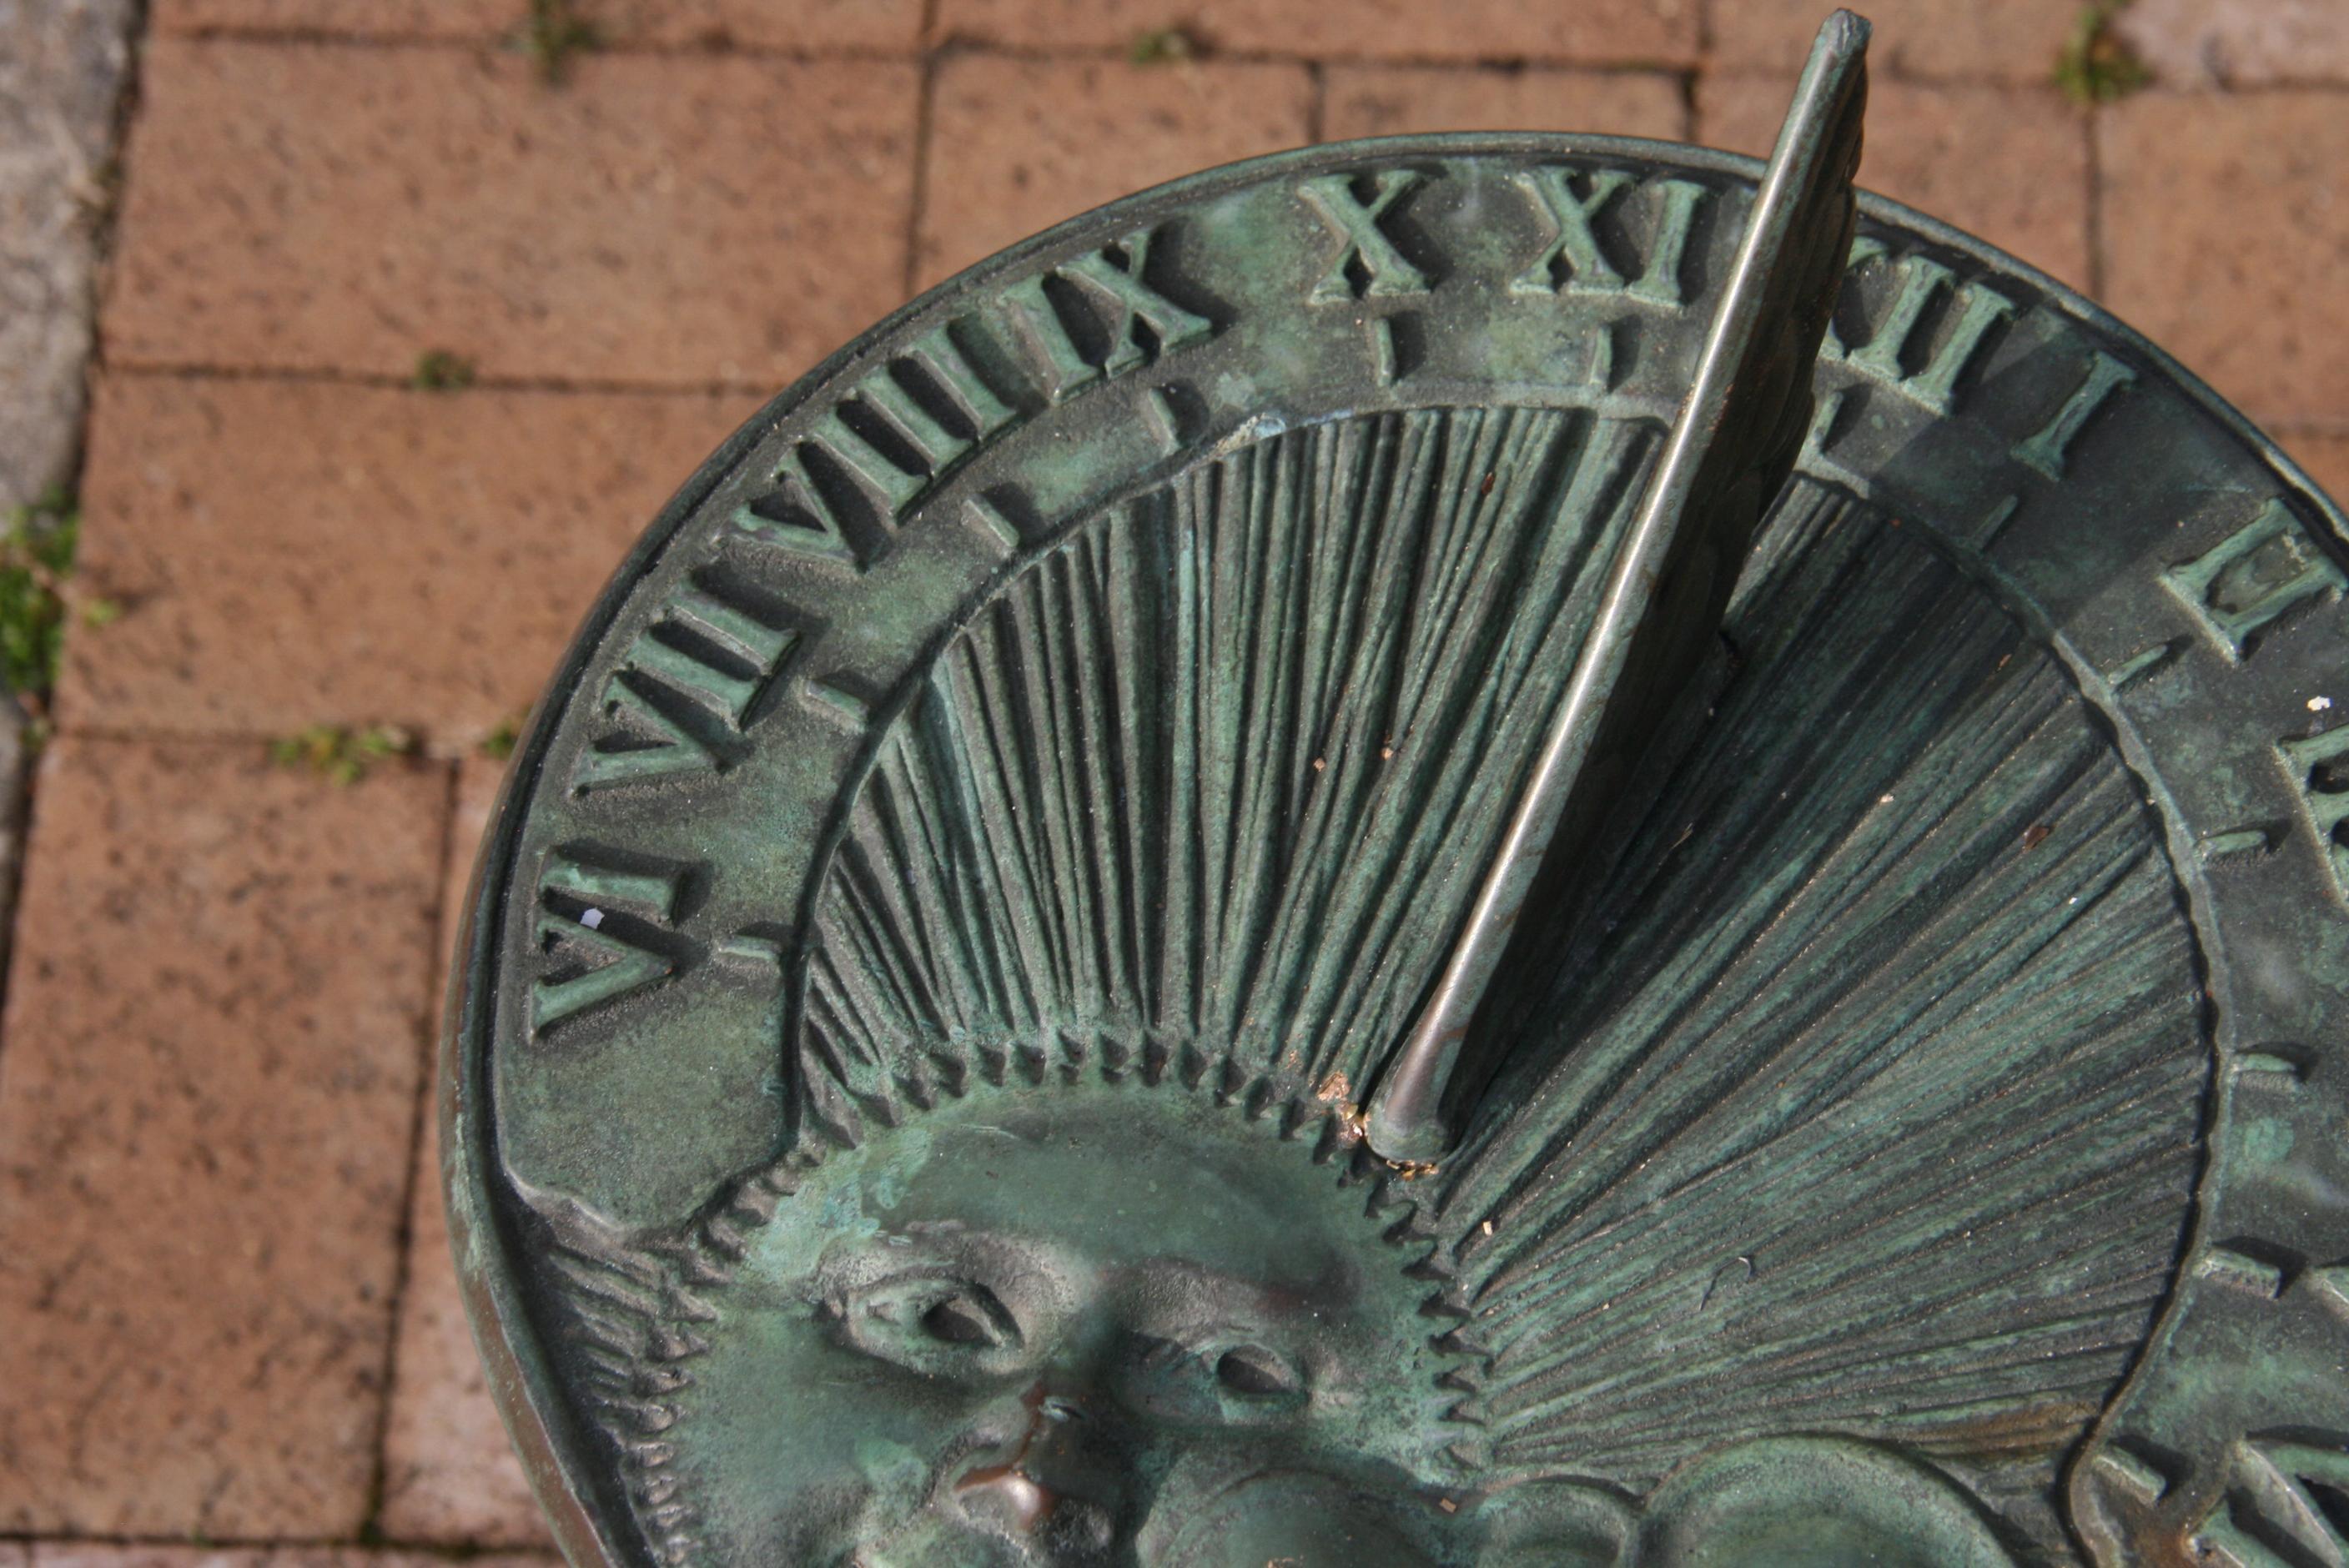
x,y
1216,771
1854,1090
1804,1143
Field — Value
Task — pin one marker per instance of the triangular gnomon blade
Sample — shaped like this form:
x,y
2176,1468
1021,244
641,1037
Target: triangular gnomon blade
x,y
1728,452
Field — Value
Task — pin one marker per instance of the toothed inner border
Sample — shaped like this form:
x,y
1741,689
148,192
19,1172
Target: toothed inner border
x,y
640,1315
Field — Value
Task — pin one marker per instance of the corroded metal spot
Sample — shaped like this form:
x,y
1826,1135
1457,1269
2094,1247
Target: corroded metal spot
x,y
928,1077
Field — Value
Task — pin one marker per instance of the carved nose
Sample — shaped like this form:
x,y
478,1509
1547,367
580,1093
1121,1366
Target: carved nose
x,y
1006,1496
1062,1487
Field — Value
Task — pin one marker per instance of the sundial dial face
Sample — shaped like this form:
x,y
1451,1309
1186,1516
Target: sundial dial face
x,y
971,887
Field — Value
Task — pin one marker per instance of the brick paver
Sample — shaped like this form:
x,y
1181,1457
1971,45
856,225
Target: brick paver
x,y
91,1555
289,554
1953,151
2240,42
1018,145
796,25
1632,31
1983,40
215,1027
2229,246
1389,100
662,218
449,1477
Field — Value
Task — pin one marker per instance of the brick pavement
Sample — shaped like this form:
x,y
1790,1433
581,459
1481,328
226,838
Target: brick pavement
x,y
292,552
207,1101
232,1314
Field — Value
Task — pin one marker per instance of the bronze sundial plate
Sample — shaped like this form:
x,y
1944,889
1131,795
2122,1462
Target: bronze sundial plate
x,y
955,902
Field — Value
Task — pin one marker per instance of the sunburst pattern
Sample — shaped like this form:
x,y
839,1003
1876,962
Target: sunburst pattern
x,y
1216,774
1868,1099
1866,1095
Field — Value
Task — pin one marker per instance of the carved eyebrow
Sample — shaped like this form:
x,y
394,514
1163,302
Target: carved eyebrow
x,y
1209,1345
1003,1263
1339,1280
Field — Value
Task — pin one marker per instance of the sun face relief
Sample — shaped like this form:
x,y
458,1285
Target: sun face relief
x,y
1003,1341
1081,1239
1050,776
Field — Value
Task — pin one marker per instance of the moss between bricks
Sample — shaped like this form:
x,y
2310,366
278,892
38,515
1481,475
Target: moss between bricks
x,y
38,597
1162,47
437,370
338,754
498,743
2097,66
555,33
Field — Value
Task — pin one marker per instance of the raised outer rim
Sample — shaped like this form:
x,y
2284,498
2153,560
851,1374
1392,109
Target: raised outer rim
x,y
554,1454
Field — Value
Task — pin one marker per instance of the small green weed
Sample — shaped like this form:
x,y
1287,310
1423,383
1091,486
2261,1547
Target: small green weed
x,y
554,35
437,370
1162,47
341,755
2097,66
38,596
498,743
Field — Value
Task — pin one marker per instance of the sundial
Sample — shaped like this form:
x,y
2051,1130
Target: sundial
x,y
1496,849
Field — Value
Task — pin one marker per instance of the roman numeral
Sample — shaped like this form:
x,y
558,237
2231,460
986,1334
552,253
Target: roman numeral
x,y
1114,277
743,643
939,356
691,674
1368,263
890,483
872,452
2239,586
1576,263
2276,1475
837,494
1112,280
799,516
600,929
2319,766
1885,357
2047,447
1036,322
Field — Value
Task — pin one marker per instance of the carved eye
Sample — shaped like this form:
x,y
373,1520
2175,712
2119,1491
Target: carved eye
x,y
961,1320
1225,1382
939,1327
1253,1372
